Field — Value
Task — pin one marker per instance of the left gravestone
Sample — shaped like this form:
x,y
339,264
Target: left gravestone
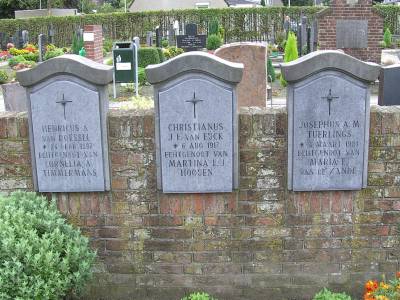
x,y
67,107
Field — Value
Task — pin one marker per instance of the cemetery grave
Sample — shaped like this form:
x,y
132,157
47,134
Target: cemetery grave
x,y
199,187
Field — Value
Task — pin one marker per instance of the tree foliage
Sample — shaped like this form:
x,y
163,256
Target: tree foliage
x,y
291,52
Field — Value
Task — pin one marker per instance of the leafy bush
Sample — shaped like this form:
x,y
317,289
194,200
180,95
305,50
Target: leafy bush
x,y
41,256
387,38
213,27
383,290
53,53
270,71
15,60
290,52
164,43
32,56
3,76
172,52
161,54
16,52
142,79
107,45
148,56
77,44
213,42
198,296
326,294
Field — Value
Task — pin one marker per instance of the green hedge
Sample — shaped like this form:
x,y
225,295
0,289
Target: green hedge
x,y
244,24
148,56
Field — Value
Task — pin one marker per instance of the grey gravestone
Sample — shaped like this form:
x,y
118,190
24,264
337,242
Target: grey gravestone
x,y
14,97
191,29
25,37
19,43
42,43
303,30
196,123
351,34
313,36
3,41
50,33
149,38
389,88
67,108
328,121
158,36
171,35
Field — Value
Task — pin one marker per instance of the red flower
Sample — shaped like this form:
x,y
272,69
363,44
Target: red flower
x,y
398,274
371,286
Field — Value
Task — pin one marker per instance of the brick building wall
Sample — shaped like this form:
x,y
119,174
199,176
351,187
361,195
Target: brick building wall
x,y
362,10
259,242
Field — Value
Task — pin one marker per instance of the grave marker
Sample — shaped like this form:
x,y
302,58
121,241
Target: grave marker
x,y
25,37
191,41
389,89
196,123
67,107
42,44
328,116
149,38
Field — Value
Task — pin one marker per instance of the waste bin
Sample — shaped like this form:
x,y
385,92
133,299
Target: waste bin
x,y
124,62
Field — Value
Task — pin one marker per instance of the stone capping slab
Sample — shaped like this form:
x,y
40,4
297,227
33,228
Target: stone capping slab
x,y
68,64
329,60
192,62
241,44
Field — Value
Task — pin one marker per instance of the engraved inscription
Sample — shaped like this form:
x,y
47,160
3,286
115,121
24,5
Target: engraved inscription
x,y
328,144
67,138
196,137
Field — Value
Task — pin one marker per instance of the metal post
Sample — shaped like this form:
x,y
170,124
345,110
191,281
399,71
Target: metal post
x,y
125,5
114,88
136,70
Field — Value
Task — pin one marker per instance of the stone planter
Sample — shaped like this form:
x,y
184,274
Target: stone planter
x,y
14,97
390,56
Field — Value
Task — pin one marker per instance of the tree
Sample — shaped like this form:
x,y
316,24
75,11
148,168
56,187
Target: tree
x,y
8,7
290,52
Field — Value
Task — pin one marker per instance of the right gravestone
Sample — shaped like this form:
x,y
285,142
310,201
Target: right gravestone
x,y
328,121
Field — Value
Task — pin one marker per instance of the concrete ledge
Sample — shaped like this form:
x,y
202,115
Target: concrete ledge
x,y
329,60
192,62
69,64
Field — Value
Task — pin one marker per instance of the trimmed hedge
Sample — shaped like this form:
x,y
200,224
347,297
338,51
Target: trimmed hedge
x,y
148,56
244,24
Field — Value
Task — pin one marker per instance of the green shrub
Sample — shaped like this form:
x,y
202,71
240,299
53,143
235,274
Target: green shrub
x,y
107,45
213,42
161,54
53,53
290,52
270,71
326,294
164,43
142,79
32,56
387,38
77,44
3,76
198,296
213,27
15,60
41,256
148,56
174,51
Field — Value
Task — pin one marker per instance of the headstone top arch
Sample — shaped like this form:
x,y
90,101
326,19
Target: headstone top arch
x,y
67,64
195,61
329,60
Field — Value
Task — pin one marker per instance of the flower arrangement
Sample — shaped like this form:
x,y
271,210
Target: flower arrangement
x,y
383,290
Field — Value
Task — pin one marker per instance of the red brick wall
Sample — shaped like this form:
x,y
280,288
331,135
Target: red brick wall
x,y
94,49
361,11
259,242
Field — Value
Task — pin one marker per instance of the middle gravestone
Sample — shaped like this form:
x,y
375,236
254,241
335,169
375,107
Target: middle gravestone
x,y
328,121
196,123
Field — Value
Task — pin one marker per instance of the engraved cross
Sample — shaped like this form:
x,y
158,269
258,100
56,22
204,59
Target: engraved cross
x,y
330,97
64,102
194,101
